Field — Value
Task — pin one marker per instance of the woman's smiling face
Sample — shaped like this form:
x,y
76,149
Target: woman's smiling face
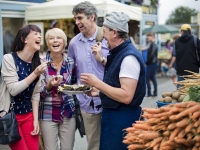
x,y
55,43
33,40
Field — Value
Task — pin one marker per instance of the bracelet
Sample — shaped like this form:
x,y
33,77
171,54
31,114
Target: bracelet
x,y
35,73
103,60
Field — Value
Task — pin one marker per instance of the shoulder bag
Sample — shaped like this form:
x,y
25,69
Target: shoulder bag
x,y
9,132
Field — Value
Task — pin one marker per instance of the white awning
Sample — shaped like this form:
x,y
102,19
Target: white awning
x,y
62,9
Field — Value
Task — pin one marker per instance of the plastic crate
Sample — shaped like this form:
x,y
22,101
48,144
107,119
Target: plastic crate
x,y
160,104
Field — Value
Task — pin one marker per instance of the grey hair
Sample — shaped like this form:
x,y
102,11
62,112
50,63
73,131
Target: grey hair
x,y
87,8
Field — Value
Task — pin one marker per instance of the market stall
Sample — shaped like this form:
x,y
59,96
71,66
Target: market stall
x,y
174,125
60,11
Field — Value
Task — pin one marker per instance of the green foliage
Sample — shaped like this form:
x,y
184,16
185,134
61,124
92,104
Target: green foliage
x,y
194,93
181,15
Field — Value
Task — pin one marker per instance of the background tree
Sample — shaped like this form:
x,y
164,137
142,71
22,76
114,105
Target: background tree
x,y
181,15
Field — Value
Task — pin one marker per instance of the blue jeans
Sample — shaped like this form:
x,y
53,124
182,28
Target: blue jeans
x,y
179,78
151,76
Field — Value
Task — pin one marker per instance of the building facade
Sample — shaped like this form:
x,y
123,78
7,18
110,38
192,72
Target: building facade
x,y
12,14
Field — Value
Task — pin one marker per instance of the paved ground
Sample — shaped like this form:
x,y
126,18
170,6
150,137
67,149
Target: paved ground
x,y
164,85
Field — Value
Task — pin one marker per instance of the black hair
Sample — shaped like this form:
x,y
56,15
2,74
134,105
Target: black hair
x,y
18,44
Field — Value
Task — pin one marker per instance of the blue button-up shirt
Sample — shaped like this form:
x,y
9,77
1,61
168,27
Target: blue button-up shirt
x,y
85,62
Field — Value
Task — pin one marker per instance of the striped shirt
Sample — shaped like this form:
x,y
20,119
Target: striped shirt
x,y
54,106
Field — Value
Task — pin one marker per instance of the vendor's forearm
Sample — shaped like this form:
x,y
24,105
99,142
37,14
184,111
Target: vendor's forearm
x,y
117,94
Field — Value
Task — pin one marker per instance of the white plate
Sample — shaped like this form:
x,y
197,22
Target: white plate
x,y
74,92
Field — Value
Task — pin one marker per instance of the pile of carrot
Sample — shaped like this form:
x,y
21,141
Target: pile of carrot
x,y
173,127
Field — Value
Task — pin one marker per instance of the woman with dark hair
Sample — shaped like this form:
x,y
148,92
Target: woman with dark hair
x,y
167,45
24,85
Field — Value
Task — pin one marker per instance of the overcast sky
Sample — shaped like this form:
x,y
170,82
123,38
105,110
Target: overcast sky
x,y
167,6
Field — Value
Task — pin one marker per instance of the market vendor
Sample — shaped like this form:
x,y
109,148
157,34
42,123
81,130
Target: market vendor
x,y
123,87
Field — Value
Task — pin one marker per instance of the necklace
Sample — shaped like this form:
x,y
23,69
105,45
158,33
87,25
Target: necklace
x,y
57,66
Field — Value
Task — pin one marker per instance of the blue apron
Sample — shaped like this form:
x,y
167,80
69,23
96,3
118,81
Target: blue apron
x,y
113,123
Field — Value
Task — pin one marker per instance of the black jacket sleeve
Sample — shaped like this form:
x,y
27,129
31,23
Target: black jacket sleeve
x,y
152,54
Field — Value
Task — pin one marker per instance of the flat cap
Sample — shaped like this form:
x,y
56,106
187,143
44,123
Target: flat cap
x,y
117,20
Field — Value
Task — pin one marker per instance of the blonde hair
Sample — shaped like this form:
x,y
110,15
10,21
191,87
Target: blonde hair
x,y
57,32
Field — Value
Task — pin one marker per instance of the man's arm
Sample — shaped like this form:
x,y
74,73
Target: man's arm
x,y
124,94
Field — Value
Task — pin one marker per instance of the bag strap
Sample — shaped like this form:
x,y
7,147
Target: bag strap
x,y
11,97
195,44
99,36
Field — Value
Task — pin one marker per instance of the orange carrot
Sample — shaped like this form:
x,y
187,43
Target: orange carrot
x,y
174,133
130,129
126,142
140,122
171,126
189,136
142,126
153,120
156,147
196,115
177,109
159,127
196,124
158,115
189,127
136,146
156,141
198,129
164,118
182,123
149,136
197,138
194,130
173,118
188,111
183,141
191,103
181,134
148,144
165,109
166,133
181,105
151,110
167,147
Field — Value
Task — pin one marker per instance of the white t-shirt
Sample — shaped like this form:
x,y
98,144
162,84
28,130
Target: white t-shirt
x,y
130,68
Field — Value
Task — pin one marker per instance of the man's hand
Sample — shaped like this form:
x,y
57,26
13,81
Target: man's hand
x,y
93,93
96,50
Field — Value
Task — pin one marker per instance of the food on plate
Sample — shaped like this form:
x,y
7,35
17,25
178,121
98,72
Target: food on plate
x,y
74,87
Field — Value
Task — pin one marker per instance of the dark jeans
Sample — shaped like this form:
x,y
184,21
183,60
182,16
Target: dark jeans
x,y
151,76
179,79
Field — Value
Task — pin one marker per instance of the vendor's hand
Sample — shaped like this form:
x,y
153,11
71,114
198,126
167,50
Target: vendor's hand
x,y
96,50
89,79
40,69
36,128
93,93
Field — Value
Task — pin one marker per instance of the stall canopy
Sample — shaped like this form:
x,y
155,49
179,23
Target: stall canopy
x,y
61,9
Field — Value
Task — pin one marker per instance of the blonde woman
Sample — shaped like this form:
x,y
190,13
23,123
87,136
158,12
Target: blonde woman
x,y
57,112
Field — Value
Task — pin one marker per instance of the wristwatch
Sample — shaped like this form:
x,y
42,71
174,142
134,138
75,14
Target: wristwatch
x,y
103,60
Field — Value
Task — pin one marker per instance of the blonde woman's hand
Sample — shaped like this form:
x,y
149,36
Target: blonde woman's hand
x,y
40,69
55,80
36,128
